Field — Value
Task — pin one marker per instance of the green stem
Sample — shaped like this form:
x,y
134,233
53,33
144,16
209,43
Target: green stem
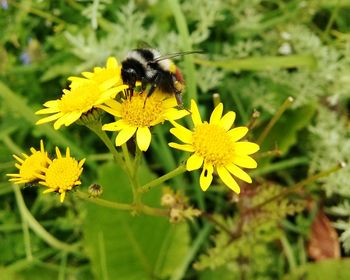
x,y
26,238
280,165
331,20
103,202
37,228
96,127
123,206
301,184
179,170
274,119
127,157
187,45
132,173
288,252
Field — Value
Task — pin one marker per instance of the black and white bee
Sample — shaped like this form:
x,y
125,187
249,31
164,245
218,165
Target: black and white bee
x,y
146,65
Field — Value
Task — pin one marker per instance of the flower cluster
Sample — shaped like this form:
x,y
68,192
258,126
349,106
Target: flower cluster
x,y
216,147
60,174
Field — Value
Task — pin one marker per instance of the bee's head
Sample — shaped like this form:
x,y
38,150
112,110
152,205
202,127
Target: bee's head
x,y
129,76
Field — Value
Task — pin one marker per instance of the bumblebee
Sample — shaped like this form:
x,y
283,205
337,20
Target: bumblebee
x,y
147,66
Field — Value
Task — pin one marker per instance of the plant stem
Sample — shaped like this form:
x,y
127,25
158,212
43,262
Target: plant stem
x,y
123,206
274,119
301,184
187,45
96,127
37,227
179,170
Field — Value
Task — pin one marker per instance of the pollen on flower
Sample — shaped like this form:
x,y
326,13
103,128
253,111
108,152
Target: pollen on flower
x,y
217,150
62,174
140,111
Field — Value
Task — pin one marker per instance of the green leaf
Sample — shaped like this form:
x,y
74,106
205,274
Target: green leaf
x,y
328,269
122,246
262,63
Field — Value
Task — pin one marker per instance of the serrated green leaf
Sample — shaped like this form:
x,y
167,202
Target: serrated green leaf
x,y
122,246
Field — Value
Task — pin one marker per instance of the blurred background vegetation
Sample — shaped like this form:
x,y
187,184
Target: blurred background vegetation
x,y
256,54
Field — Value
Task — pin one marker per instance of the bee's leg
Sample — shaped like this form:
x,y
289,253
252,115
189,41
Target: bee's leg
x,y
143,84
152,88
178,97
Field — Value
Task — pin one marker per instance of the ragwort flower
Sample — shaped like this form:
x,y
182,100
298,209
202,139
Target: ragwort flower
x,y
108,76
84,94
216,145
62,174
138,113
30,166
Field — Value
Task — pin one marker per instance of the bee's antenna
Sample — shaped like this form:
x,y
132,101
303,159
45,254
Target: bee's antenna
x,y
172,55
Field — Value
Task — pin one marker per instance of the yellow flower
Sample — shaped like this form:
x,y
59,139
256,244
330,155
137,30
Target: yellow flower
x,y
84,94
138,114
215,145
30,166
62,174
108,76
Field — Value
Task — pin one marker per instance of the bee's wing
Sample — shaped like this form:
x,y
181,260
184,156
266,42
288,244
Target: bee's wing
x,y
172,55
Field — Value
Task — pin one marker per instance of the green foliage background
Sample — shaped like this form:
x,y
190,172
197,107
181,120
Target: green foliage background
x,y
256,54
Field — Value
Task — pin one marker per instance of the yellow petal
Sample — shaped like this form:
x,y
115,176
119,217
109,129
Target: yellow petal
x,y
227,120
71,118
182,147
109,110
226,177
182,134
49,119
115,126
143,138
175,114
62,196
88,75
124,135
239,173
196,117
170,102
245,148
66,119
51,103
206,176
245,161
58,152
216,114
48,190
237,133
112,62
47,111
194,162
114,104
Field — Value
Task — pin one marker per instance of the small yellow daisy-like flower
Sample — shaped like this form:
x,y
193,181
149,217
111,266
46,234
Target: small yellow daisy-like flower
x,y
62,174
216,145
84,94
30,166
138,114
108,76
